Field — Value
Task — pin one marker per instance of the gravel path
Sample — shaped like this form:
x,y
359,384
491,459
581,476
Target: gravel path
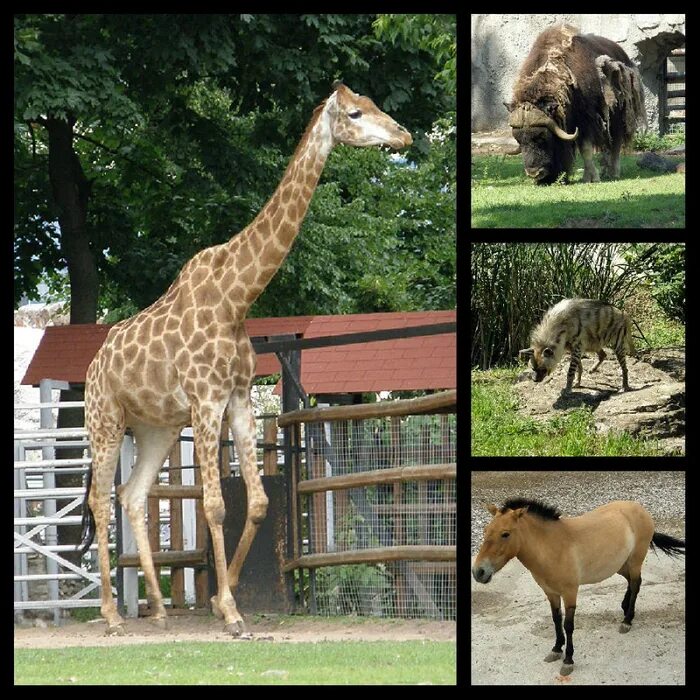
x,y
512,629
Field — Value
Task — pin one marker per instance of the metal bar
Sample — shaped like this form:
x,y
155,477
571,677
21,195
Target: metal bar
x,y
53,433
47,577
30,463
58,492
59,548
262,347
44,521
49,404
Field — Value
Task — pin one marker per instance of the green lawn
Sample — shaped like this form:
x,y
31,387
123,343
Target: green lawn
x,y
503,197
498,430
241,663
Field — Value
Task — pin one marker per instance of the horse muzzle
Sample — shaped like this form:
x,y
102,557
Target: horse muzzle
x,y
482,573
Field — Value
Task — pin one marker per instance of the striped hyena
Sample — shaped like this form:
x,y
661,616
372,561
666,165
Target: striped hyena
x,y
579,325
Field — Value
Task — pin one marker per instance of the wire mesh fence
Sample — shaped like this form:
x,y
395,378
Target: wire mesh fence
x,y
383,514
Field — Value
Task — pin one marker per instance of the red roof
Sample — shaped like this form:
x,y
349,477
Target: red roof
x,y
426,362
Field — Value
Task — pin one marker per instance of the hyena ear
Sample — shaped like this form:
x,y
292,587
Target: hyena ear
x,y
548,352
526,354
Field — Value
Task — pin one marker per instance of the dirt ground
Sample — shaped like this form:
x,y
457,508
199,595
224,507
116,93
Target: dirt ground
x,y
512,629
206,628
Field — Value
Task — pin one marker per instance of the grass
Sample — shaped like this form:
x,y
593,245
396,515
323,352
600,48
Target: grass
x,y
503,197
245,663
498,430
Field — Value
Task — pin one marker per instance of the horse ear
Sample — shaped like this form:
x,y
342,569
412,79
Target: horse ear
x,y
492,508
519,512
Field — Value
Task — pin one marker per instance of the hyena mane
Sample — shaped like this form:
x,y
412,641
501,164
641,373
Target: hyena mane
x,y
578,326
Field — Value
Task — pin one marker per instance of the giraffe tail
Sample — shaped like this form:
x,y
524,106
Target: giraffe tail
x,y
88,522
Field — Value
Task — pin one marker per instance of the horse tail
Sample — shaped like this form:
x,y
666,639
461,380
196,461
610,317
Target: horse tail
x,y
88,522
667,544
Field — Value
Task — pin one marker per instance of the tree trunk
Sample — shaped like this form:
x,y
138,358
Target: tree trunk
x,y
71,193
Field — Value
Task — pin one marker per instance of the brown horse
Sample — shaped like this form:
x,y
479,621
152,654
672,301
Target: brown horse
x,y
563,553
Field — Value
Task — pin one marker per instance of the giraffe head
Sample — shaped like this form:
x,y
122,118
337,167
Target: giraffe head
x,y
357,121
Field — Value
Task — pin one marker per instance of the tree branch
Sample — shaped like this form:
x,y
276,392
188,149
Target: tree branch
x,y
153,174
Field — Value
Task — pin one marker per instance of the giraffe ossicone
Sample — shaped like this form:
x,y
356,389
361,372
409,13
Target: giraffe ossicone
x,y
187,360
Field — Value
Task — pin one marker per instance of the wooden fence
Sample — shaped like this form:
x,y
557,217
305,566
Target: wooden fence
x,y
313,543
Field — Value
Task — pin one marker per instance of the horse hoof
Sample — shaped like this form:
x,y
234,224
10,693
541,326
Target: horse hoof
x,y
553,656
115,631
566,669
625,627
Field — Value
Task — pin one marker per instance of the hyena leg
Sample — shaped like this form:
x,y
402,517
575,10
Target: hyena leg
x,y
623,363
574,368
601,357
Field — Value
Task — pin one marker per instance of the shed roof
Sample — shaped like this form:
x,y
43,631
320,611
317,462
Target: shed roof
x,y
426,362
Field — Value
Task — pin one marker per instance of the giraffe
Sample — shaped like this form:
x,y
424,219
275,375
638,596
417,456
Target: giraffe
x,y
187,360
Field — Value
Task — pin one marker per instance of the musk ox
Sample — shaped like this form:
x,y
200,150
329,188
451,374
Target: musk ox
x,y
574,89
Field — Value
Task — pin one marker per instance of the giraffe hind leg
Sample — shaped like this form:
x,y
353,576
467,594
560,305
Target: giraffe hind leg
x,y
105,454
153,445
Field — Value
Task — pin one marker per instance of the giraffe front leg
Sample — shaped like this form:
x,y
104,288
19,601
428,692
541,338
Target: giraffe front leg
x,y
242,424
206,422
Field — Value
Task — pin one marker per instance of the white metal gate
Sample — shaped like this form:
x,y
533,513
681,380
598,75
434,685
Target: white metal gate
x,y
36,516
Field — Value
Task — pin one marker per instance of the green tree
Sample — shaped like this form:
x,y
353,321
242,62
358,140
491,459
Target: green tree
x,y
177,128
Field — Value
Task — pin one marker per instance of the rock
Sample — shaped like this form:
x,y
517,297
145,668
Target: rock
x,y
654,408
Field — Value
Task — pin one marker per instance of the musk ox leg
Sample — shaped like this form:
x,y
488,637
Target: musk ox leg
x,y
590,174
610,165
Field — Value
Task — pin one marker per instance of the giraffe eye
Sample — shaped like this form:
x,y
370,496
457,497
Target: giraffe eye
x,y
355,114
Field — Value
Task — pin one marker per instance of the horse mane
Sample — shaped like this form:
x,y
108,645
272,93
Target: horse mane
x,y
534,507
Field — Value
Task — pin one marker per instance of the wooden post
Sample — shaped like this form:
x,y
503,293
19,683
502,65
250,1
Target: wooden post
x,y
269,452
423,490
399,523
177,573
317,469
154,529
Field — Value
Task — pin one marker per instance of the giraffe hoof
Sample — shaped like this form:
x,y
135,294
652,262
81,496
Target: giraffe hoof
x,y
566,669
115,631
215,608
553,656
160,622
625,627
237,629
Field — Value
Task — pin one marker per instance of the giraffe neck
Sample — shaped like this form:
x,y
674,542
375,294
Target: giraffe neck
x,y
260,249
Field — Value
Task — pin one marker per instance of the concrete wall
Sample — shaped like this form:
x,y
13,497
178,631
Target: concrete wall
x,y
500,43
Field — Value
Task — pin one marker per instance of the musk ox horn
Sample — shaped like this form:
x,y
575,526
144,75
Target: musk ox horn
x,y
525,116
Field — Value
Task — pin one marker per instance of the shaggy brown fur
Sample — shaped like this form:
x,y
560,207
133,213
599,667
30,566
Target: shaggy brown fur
x,y
582,82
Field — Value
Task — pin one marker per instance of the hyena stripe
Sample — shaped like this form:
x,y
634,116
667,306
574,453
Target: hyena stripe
x,y
578,326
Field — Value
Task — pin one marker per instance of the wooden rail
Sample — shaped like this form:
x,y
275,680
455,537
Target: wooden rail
x,y
419,552
192,557
423,472
401,407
